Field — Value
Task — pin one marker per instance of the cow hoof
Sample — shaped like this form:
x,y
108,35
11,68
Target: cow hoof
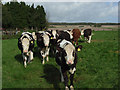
x,y
71,87
43,62
30,61
62,79
47,59
66,88
25,66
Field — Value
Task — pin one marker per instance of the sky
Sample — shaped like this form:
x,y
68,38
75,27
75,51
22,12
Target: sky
x,y
97,12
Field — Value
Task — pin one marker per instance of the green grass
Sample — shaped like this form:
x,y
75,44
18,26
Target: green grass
x,y
97,65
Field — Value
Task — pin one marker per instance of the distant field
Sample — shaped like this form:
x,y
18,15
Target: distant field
x,y
66,27
97,65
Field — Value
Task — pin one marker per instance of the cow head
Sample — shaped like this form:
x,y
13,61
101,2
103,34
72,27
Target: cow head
x,y
70,33
82,32
25,45
43,37
34,36
69,54
46,39
54,33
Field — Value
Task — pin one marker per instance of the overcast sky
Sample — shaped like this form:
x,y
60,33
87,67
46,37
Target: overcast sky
x,y
80,11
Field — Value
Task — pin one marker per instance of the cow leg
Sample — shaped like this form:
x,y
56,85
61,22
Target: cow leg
x,y
62,79
43,56
65,80
47,53
66,88
81,37
89,39
25,59
30,56
43,62
71,81
77,42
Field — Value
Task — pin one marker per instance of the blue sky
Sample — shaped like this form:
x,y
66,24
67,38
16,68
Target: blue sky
x,y
100,12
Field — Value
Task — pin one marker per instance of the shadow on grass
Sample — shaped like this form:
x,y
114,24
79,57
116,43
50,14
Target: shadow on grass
x,y
19,58
52,52
81,41
37,52
52,75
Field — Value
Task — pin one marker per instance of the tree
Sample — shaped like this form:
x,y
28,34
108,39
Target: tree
x,y
19,15
6,17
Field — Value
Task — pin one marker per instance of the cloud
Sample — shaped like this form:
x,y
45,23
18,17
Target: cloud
x,y
91,11
64,0
81,12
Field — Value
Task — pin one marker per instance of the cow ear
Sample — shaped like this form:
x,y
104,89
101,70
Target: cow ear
x,y
48,34
57,33
79,48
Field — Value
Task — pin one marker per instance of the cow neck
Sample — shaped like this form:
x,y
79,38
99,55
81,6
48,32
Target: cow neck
x,y
63,43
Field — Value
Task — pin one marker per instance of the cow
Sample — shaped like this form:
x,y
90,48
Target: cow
x,y
34,36
26,45
53,37
53,33
76,35
66,58
87,33
65,34
43,41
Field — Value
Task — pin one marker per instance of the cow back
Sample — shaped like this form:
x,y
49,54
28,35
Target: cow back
x,y
87,32
76,34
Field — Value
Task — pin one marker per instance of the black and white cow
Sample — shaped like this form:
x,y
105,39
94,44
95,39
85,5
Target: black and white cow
x,y
87,33
65,34
53,38
26,45
66,58
53,33
43,41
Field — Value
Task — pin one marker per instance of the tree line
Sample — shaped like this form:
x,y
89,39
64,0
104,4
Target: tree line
x,y
19,15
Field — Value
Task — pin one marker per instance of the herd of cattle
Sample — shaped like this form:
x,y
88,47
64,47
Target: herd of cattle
x,y
62,46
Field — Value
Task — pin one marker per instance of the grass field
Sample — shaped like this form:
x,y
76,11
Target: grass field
x,y
97,65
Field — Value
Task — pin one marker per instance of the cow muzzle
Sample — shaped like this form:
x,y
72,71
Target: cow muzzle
x,y
69,62
46,45
25,52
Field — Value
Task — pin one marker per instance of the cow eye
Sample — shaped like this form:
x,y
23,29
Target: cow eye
x,y
65,53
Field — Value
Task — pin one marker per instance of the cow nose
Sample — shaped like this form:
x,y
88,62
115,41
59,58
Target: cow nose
x,y
69,62
54,38
46,44
25,51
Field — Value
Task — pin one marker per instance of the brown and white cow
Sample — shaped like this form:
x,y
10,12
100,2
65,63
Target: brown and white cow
x,y
76,35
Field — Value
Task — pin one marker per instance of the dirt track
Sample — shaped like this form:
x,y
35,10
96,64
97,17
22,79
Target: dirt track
x,y
66,27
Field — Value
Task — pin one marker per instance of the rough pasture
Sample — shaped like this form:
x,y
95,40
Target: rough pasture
x,y
97,65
